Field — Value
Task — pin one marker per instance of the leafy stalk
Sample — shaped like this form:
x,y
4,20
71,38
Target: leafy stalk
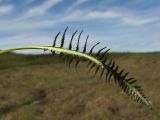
x,y
100,60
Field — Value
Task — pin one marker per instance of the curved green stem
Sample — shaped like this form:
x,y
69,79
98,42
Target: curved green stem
x,y
56,49
125,85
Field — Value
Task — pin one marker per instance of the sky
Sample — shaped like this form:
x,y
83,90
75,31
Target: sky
x,y
121,25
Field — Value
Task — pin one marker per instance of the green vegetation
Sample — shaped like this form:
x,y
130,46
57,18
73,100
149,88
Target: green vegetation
x,y
99,60
41,87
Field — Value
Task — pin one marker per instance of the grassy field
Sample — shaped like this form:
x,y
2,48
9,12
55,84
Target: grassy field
x,y
42,87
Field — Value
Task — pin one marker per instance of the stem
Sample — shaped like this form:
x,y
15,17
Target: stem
x,y
56,49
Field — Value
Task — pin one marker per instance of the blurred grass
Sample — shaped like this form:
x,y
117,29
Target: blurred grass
x,y
42,87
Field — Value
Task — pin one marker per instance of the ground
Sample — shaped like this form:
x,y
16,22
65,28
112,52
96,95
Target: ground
x,y
42,87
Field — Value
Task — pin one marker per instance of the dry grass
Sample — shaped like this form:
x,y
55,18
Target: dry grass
x,y
43,88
